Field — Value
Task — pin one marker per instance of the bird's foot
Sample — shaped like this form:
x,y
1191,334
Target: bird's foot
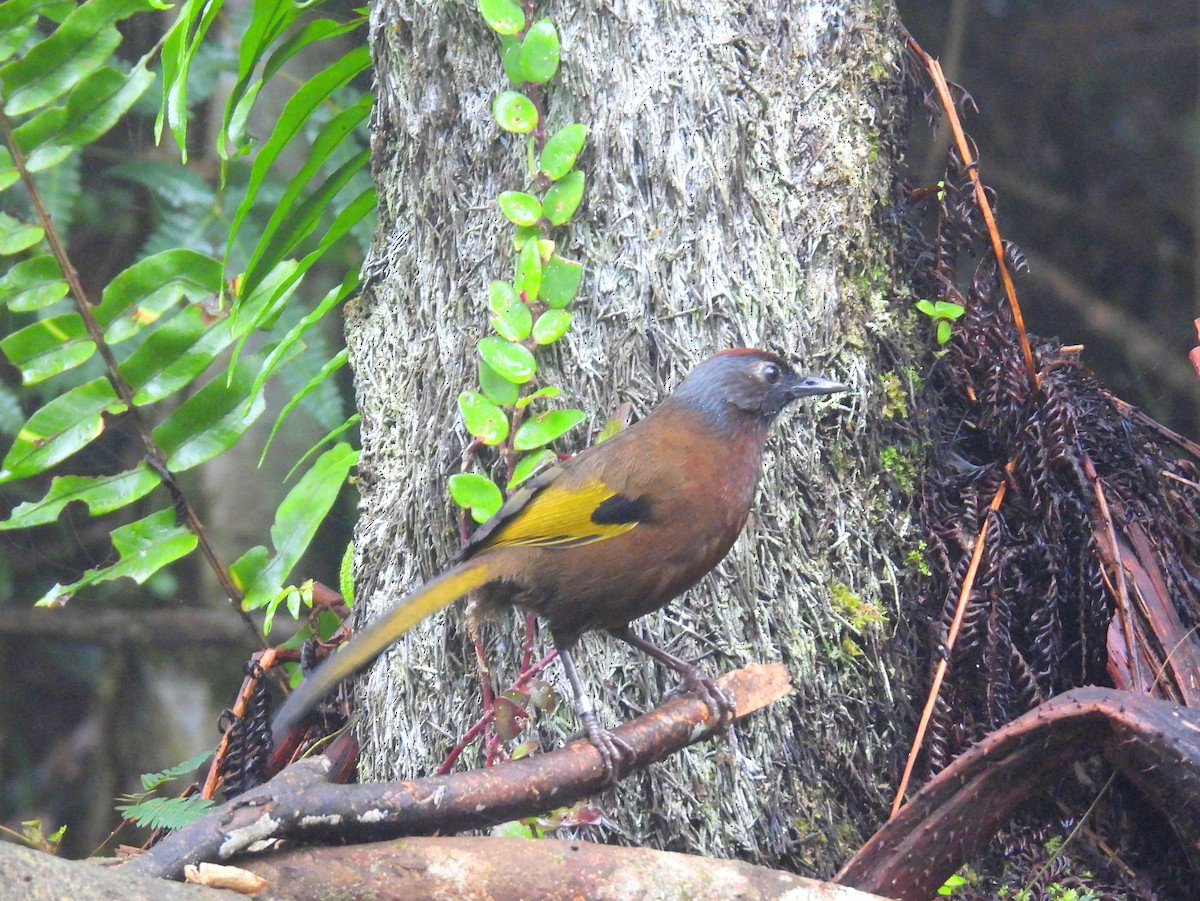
x,y
614,752
719,701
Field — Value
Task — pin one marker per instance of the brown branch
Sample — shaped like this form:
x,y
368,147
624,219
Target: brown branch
x,y
507,869
108,628
939,674
1170,650
300,803
1154,743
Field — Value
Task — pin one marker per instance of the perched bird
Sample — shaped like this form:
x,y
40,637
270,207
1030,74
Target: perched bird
x,y
613,533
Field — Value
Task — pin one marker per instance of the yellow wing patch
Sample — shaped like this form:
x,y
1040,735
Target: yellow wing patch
x,y
560,517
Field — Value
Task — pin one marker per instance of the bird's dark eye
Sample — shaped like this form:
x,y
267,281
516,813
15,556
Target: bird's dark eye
x,y
770,373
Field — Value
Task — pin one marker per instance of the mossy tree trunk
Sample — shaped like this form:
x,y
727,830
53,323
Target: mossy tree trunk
x,y
740,169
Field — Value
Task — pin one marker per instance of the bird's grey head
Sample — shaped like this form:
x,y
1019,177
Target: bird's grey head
x,y
755,383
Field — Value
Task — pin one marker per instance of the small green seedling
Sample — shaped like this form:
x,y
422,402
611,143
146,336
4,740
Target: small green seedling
x,y
943,313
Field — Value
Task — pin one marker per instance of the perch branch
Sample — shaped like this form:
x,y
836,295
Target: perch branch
x,y
300,803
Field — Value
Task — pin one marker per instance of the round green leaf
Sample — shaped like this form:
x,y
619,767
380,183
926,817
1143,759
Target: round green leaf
x,y
551,326
561,151
529,465
563,198
542,695
545,427
548,391
540,52
515,112
502,16
529,272
508,718
943,331
483,418
477,493
510,56
496,388
948,310
515,323
501,296
511,361
524,749
523,235
520,208
560,282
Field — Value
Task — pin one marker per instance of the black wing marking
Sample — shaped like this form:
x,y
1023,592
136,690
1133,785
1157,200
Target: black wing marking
x,y
620,509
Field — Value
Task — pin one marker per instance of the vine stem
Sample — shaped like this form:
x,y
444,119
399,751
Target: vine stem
x,y
507,452
490,714
155,458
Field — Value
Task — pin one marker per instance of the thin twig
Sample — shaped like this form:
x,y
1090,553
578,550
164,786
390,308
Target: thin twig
x,y
154,455
489,714
943,664
1180,479
1122,589
934,68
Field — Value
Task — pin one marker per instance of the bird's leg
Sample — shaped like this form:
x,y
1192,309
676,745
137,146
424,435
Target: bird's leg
x,y
612,750
719,701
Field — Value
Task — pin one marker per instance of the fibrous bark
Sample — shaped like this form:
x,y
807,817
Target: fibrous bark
x,y
739,167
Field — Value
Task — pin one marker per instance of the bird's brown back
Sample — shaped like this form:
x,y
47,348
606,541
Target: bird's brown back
x,y
681,488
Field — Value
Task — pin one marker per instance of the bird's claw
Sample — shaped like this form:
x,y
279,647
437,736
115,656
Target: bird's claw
x,y
614,752
719,701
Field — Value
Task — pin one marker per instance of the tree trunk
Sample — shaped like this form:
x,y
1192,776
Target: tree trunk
x,y
740,166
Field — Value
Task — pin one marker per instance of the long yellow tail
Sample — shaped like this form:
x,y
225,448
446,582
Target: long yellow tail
x,y
370,643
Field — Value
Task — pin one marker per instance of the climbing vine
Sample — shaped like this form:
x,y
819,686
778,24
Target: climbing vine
x,y
532,310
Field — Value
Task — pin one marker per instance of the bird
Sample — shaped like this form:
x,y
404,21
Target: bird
x,y
610,534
